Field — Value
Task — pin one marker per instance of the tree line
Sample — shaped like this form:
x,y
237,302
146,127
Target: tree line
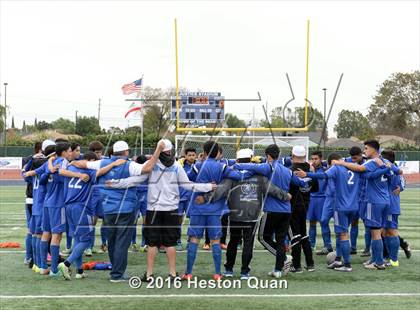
x,y
395,110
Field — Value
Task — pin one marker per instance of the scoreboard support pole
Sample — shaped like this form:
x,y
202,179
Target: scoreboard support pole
x,y
238,140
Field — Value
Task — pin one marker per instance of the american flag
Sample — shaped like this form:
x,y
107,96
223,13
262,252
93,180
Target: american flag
x,y
134,87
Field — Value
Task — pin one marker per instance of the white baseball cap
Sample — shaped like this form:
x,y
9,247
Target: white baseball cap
x,y
244,153
47,143
168,145
120,146
299,150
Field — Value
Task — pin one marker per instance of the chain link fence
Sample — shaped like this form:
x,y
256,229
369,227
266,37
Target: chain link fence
x,y
229,151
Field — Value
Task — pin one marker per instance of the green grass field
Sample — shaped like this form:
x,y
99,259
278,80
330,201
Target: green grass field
x,y
21,288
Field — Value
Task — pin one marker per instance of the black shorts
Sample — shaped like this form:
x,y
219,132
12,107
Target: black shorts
x,y
161,228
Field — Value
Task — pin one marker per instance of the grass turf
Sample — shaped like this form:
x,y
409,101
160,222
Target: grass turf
x,y
17,280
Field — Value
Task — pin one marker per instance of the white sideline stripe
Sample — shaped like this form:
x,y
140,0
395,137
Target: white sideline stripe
x,y
209,295
181,252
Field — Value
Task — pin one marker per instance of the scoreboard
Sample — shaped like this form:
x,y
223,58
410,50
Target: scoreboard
x,y
199,108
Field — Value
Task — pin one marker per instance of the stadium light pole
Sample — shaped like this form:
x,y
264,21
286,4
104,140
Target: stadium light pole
x,y
325,115
5,119
99,112
75,124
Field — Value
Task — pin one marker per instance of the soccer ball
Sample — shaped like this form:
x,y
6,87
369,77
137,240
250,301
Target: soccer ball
x,y
331,257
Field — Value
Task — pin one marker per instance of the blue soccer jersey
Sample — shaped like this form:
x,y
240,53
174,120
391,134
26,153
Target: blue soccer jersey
x,y
78,191
55,194
142,197
395,181
376,188
322,184
226,161
209,171
43,184
346,188
330,191
286,161
280,176
362,182
185,195
39,192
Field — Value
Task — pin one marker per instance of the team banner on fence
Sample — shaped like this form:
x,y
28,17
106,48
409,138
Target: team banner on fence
x,y
409,167
11,163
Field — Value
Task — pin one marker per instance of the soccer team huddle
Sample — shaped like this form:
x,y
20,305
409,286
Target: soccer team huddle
x,y
269,198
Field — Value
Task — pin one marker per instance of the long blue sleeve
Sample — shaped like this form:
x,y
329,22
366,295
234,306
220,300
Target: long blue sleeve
x,y
298,182
317,175
237,175
28,165
375,174
27,179
395,169
44,178
261,169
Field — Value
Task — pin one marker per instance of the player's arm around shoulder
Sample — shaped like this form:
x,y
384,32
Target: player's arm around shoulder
x,y
107,168
222,190
129,182
65,172
185,182
351,166
261,169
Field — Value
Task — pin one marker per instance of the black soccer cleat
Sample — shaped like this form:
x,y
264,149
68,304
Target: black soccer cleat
x,y
146,278
407,250
365,253
310,268
296,270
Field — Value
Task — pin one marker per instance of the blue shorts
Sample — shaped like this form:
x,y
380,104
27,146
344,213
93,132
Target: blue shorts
x,y
69,222
342,220
315,209
391,221
46,227
375,215
99,210
28,213
35,226
327,210
362,209
143,208
212,223
80,222
356,216
54,220
183,207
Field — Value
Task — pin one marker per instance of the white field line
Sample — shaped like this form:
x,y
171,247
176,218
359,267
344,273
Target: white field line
x,y
149,296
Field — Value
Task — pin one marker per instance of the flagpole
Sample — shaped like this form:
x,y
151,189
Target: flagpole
x,y
142,118
138,95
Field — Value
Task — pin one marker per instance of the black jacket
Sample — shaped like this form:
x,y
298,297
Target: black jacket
x,y
301,196
246,198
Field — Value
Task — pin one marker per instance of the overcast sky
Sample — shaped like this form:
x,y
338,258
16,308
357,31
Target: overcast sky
x,y
60,56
